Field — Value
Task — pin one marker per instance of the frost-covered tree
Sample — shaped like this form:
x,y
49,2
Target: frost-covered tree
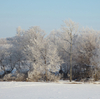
x,y
40,52
4,54
67,37
85,49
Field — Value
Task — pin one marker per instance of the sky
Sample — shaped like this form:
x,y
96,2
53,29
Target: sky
x,y
48,14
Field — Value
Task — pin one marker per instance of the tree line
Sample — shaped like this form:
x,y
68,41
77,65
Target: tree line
x,y
68,53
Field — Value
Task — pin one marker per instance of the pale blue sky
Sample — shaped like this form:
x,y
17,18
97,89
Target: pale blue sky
x,y
48,14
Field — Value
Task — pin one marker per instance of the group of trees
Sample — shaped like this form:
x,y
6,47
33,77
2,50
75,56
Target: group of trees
x,y
68,53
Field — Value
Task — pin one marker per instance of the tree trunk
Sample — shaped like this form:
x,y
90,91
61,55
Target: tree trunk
x,y
71,58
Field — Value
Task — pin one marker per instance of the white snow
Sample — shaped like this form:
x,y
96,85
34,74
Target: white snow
x,y
40,90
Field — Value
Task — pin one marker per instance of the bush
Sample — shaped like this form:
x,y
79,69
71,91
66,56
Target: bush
x,y
37,76
8,77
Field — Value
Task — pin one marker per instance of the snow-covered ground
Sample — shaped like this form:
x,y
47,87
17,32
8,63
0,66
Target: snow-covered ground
x,y
37,90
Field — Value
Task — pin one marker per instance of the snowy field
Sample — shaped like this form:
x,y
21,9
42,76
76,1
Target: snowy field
x,y
37,90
